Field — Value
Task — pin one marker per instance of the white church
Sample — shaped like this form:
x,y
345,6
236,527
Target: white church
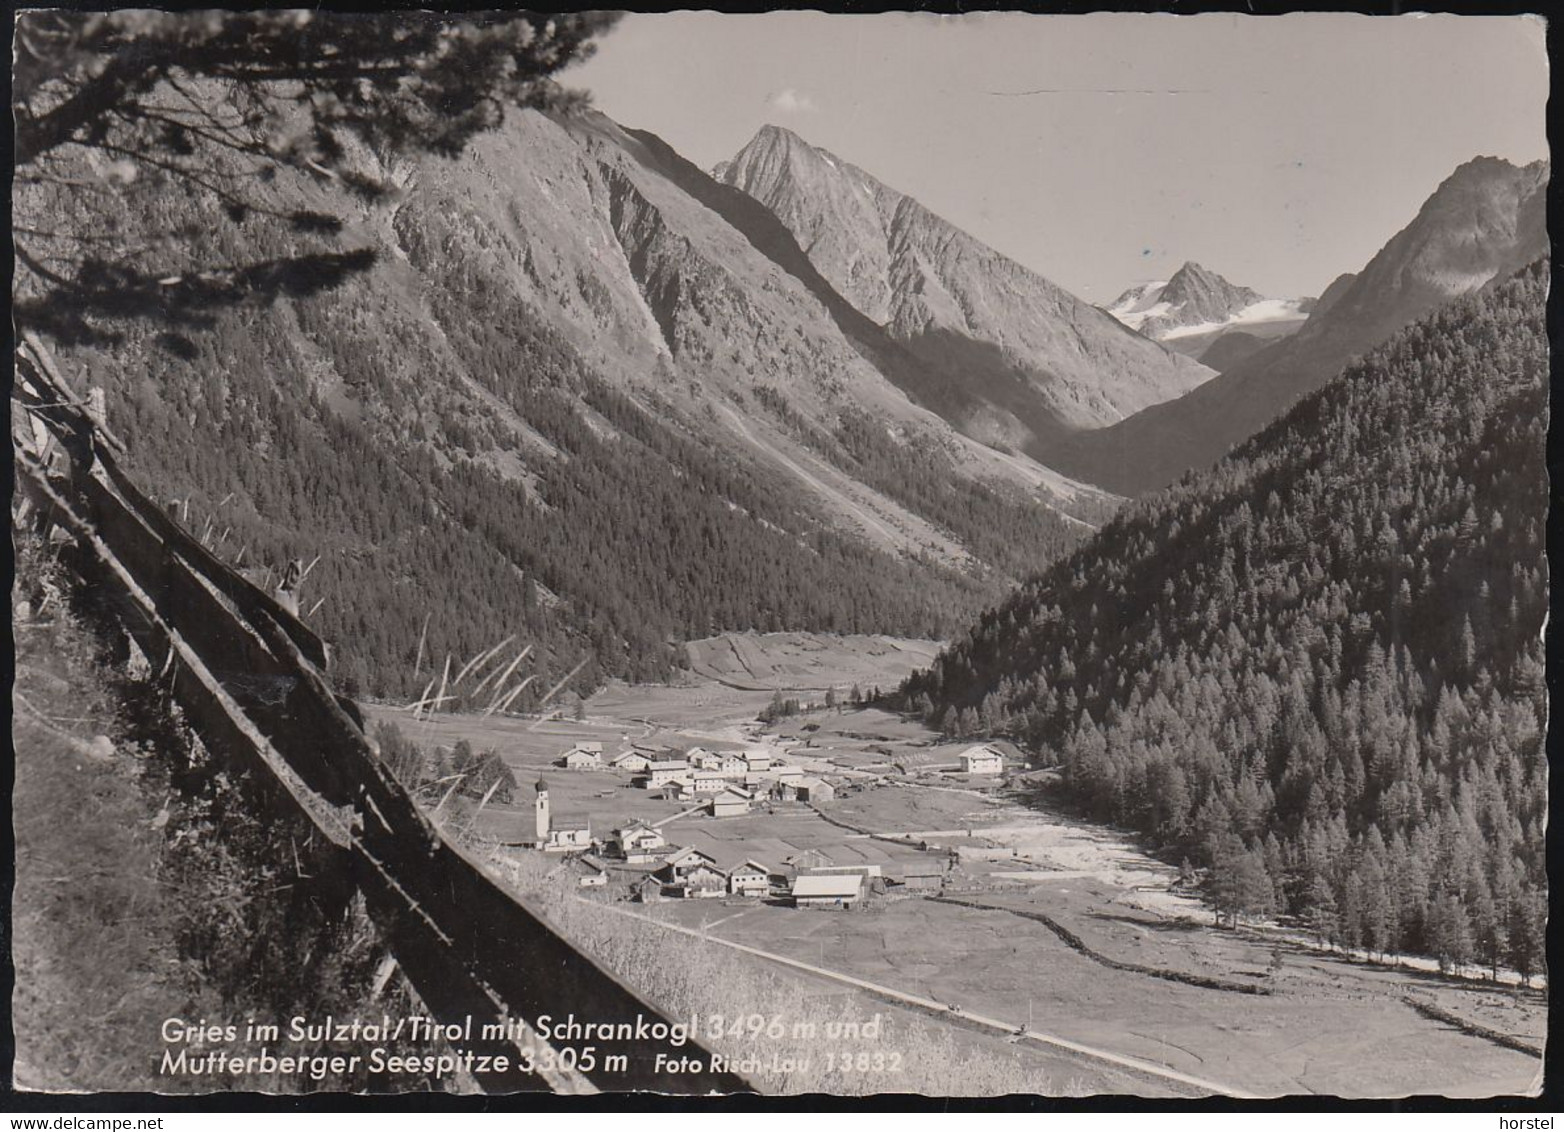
x,y
559,833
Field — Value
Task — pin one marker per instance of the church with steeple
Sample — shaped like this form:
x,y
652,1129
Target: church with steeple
x,y
558,833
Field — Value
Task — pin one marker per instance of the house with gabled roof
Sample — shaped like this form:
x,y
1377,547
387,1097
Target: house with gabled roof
x,y
634,761
583,756
812,890
709,782
593,874
750,878
678,790
638,842
729,803
981,758
702,882
663,770
811,789
807,859
680,863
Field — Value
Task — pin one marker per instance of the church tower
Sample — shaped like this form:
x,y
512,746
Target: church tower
x,y
540,811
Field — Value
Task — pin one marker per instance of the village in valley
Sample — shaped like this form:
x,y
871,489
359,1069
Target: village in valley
x,y
846,842
680,856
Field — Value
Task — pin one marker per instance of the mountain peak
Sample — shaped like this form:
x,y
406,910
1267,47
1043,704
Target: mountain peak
x,y
1192,274
1025,358
1207,294
1196,303
771,138
771,132
773,150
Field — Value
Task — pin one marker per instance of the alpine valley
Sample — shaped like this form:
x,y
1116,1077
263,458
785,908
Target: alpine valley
x,y
591,391
487,567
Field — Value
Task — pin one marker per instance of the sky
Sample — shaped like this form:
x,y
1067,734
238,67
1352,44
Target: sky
x,y
1105,150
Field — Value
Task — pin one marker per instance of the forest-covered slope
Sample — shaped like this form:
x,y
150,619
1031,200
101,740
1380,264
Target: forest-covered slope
x,y
1317,667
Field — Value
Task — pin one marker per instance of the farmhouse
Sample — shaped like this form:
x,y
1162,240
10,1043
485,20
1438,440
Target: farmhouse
x,y
729,803
635,761
680,864
691,874
732,765
709,782
661,770
757,761
679,790
702,759
981,759
749,879
814,890
638,842
583,756
594,873
704,882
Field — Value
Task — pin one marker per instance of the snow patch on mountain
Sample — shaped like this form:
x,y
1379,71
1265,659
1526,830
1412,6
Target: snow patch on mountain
x,y
1266,310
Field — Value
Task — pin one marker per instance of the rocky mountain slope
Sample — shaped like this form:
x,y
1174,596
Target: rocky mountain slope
x,y
1031,360
586,394
1483,222
1197,308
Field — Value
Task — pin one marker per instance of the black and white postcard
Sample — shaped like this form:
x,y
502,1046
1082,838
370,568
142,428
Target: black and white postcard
x,y
793,553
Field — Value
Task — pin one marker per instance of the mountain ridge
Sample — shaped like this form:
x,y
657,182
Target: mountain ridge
x,y
1199,313
1486,219
1043,361
614,410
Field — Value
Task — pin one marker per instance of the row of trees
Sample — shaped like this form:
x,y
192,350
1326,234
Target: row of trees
x,y
1316,668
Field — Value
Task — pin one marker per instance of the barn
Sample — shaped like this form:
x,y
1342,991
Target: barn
x,y
729,804
814,790
815,890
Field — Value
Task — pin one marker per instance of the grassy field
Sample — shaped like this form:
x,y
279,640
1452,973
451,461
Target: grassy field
x,y
799,662
1333,1029
1329,1025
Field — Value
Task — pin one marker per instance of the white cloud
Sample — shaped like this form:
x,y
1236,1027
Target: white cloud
x,y
789,101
